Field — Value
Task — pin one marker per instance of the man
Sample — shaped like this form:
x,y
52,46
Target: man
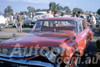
x,y
92,21
62,14
48,14
11,19
19,22
56,14
74,14
15,20
79,14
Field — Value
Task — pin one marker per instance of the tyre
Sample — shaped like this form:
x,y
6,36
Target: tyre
x,y
74,61
1,27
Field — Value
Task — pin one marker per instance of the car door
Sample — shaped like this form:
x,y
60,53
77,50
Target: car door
x,y
82,36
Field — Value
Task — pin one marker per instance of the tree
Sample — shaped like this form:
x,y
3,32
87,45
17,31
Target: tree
x,y
38,10
8,10
52,6
98,11
67,9
59,8
77,10
31,9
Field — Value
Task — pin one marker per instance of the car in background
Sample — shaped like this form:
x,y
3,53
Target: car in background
x,y
2,22
53,42
38,15
97,28
27,21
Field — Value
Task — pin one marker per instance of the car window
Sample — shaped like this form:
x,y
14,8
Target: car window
x,y
80,27
38,27
46,24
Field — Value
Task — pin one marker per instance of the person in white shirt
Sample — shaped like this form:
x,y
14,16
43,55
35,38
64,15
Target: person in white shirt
x,y
11,19
92,21
48,14
74,14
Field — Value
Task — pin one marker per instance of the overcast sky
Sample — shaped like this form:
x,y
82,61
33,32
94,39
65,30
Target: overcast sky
x,y
21,5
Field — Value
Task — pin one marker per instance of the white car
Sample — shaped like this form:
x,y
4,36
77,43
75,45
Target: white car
x,y
2,22
38,15
27,21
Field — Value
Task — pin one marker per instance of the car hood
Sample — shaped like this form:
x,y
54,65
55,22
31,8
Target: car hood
x,y
37,39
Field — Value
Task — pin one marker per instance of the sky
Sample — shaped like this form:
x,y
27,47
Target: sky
x,y
21,5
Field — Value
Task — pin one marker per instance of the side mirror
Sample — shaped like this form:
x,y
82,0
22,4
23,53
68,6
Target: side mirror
x,y
98,44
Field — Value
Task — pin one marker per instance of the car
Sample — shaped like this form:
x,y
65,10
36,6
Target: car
x,y
97,28
53,42
27,21
2,22
38,15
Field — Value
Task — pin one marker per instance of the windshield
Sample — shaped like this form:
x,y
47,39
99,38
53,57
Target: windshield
x,y
56,26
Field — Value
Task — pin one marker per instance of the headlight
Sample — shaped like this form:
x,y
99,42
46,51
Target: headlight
x,y
5,51
19,52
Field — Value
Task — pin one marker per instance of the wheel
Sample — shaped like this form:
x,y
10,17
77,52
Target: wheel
x,y
1,28
73,62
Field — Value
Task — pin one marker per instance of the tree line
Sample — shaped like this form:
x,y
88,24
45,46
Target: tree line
x,y
52,6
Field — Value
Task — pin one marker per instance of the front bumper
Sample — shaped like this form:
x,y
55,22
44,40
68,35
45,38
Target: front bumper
x,y
27,62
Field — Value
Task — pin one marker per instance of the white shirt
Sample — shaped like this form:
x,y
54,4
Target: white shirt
x,y
92,19
48,15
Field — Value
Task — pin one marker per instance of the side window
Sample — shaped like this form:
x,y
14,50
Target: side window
x,y
84,26
80,27
46,24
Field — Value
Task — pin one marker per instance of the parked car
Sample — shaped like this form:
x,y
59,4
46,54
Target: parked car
x,y
38,15
2,22
27,21
52,42
97,28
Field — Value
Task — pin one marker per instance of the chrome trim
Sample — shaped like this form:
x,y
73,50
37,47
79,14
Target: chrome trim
x,y
27,62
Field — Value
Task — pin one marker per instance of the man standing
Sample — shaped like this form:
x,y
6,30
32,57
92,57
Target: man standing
x,y
19,22
11,19
74,14
92,21
48,14
56,14
15,20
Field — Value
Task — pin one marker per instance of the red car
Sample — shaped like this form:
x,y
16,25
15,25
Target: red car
x,y
53,42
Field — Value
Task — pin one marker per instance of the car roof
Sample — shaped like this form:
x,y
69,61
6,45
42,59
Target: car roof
x,y
60,18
